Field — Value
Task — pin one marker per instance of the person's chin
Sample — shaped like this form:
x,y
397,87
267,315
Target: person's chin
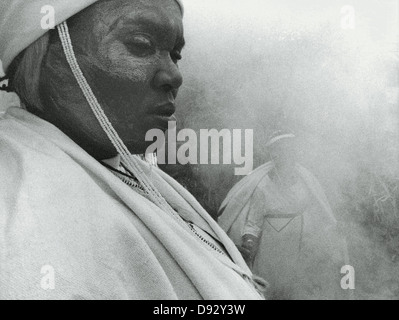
x,y
163,122
139,147
160,121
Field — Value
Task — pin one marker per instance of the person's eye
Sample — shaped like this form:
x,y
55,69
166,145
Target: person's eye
x,y
141,46
176,56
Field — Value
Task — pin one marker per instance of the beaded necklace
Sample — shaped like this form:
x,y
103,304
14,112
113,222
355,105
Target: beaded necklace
x,y
126,177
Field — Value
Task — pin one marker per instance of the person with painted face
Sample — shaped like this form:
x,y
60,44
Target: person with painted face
x,y
84,212
281,221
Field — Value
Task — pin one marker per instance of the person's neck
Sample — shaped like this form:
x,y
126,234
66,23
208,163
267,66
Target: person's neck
x,y
285,172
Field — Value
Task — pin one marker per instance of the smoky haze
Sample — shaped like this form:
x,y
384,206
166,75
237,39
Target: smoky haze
x,y
289,64
269,65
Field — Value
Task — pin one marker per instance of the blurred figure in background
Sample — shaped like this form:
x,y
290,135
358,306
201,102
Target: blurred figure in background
x,y
281,220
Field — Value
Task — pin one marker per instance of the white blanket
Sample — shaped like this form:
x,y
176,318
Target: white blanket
x,y
63,215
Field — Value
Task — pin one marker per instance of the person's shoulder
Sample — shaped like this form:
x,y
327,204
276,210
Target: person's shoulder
x,y
27,158
304,172
19,136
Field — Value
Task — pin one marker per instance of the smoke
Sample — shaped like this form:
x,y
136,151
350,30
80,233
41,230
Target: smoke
x,y
267,65
272,64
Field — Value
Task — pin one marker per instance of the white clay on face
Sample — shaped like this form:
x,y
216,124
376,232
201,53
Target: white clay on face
x,y
118,62
114,58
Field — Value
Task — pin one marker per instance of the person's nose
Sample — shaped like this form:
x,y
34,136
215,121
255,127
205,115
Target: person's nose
x,y
168,77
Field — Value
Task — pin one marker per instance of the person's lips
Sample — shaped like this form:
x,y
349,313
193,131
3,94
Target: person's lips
x,y
165,111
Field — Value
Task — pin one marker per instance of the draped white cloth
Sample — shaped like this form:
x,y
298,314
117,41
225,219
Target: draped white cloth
x,y
61,208
302,260
235,207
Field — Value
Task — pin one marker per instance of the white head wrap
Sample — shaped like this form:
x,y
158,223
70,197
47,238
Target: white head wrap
x,y
21,22
279,137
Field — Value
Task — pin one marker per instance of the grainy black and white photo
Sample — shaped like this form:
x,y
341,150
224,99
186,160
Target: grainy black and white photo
x,y
217,150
